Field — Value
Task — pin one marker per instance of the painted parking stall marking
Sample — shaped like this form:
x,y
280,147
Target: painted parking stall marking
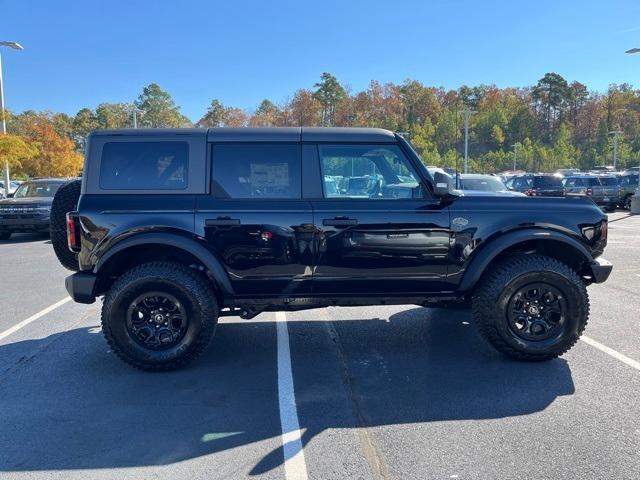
x,y
294,463
33,318
610,351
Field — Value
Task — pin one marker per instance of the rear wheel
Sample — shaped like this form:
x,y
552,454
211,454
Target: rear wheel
x,y
159,316
65,200
531,307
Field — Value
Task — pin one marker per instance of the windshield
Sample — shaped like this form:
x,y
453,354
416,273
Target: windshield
x,y
547,182
34,190
483,184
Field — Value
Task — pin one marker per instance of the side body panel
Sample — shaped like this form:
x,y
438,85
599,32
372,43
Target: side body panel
x,y
477,221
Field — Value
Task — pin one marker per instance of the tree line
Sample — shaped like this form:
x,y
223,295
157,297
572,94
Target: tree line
x,y
553,124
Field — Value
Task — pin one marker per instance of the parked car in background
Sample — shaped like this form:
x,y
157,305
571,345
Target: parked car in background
x,y
603,169
602,189
491,185
628,185
30,207
537,185
565,172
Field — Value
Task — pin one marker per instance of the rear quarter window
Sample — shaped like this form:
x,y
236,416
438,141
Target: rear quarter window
x,y
144,166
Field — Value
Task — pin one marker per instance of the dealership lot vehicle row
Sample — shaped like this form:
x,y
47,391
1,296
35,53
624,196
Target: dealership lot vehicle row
x,y
385,392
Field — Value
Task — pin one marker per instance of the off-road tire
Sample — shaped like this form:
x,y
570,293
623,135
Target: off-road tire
x,y
64,201
5,235
190,287
489,303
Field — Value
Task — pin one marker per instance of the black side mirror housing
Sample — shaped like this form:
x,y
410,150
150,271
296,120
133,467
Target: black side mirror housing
x,y
10,195
441,185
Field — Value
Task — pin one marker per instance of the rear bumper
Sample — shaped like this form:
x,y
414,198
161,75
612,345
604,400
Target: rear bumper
x,y
600,270
81,286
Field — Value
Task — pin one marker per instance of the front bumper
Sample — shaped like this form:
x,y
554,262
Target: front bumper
x,y
600,269
22,224
81,286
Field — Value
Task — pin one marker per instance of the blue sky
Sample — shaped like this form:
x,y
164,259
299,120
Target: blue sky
x,y
82,53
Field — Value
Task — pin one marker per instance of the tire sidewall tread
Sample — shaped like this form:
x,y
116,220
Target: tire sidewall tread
x,y
489,300
189,286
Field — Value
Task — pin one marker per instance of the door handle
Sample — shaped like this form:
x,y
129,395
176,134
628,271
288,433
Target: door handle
x,y
221,222
339,221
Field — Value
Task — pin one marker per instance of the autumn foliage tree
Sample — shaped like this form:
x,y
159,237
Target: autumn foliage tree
x,y
557,123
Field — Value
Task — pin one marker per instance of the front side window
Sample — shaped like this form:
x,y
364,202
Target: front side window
x,y
144,166
367,171
257,171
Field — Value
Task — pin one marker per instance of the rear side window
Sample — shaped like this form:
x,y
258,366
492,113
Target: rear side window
x,y
257,170
144,166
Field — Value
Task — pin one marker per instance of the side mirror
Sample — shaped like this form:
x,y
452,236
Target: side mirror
x,y
442,186
10,195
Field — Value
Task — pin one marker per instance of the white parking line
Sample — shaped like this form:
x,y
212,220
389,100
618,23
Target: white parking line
x,y
33,318
610,351
295,467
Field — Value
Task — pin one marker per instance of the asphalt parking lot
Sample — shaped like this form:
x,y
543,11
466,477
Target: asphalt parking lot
x,y
368,393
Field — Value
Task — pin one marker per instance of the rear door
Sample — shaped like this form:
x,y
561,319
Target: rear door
x,y
379,231
255,219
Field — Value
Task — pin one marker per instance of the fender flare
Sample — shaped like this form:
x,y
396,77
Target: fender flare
x,y
191,246
493,248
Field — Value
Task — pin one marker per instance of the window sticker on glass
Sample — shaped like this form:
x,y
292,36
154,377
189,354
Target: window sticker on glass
x,y
272,175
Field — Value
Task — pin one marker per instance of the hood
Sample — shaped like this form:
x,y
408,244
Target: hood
x,y
484,193
26,201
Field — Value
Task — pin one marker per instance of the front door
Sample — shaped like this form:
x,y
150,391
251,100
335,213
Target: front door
x,y
379,230
255,220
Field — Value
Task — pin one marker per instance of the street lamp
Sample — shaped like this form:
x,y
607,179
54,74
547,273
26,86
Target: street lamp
x,y
3,124
467,114
632,51
515,154
615,134
135,112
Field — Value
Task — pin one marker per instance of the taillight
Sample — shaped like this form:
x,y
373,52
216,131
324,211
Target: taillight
x,y
73,232
589,191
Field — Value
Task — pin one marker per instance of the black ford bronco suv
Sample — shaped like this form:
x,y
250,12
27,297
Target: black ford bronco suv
x,y
175,228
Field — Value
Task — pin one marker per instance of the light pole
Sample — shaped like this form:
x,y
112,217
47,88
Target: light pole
x,y
615,134
135,116
467,114
3,124
515,154
632,51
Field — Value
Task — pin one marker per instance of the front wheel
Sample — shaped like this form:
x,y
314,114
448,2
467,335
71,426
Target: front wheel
x,y
531,307
627,202
159,316
5,235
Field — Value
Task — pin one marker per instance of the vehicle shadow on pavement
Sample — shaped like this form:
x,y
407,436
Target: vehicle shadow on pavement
x,y
67,403
421,365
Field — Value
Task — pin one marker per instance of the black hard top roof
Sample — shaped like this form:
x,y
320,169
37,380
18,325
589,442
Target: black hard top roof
x,y
264,134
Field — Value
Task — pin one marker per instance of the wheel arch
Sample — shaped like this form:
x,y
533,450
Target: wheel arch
x,y
147,247
547,242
